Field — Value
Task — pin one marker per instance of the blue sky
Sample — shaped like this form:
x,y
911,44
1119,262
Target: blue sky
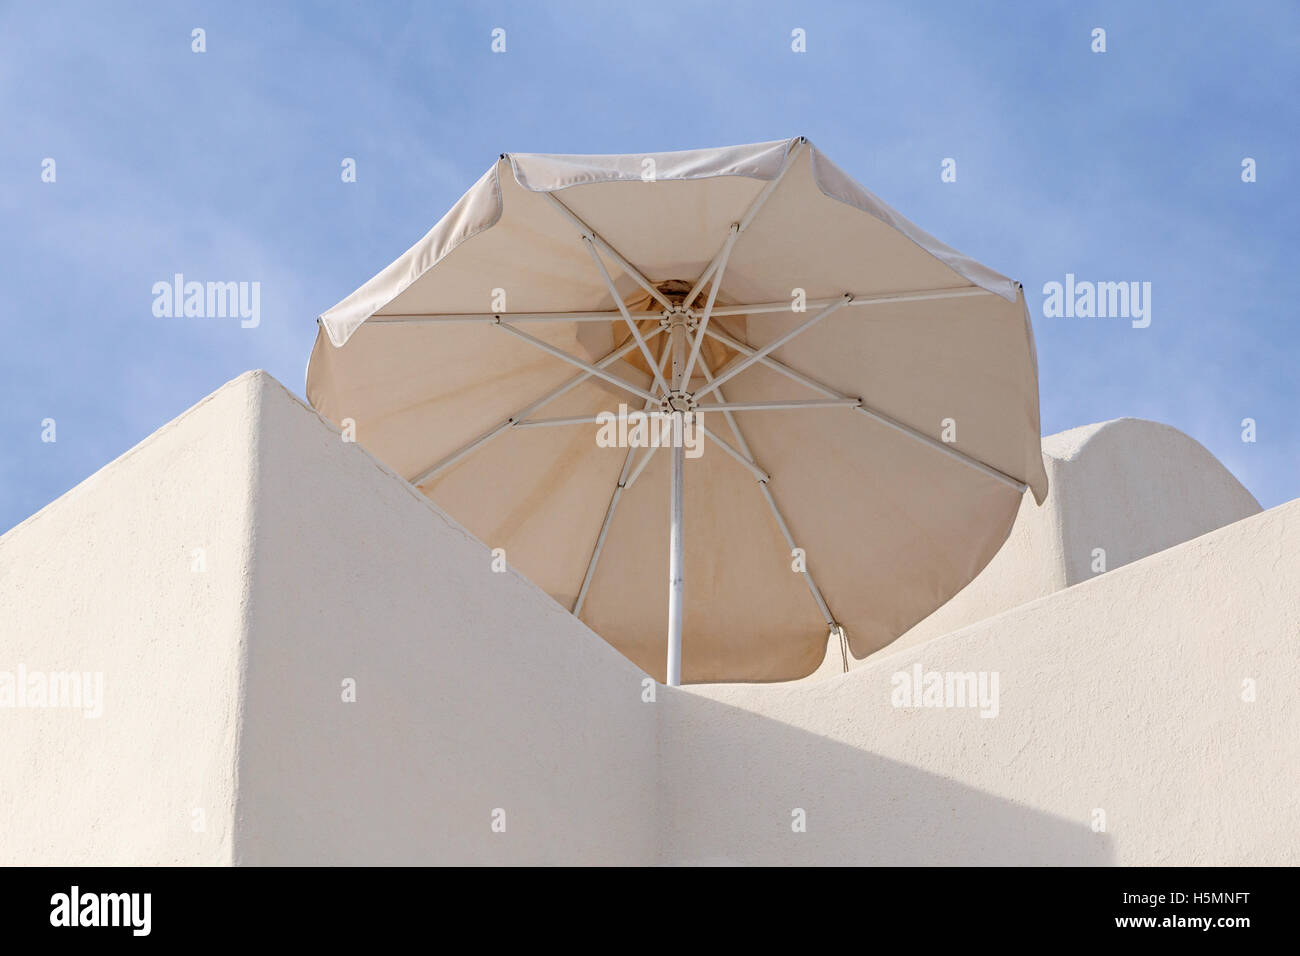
x,y
225,165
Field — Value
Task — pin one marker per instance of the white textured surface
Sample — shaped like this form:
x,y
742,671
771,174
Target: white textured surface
x,y
476,691
101,580
1122,694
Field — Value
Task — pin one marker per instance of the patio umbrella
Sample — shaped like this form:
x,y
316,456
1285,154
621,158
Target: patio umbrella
x,y
868,399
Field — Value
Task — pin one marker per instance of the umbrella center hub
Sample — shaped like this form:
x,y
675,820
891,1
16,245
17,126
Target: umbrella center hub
x,y
677,402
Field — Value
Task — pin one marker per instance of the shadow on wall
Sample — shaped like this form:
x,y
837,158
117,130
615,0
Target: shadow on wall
x,y
729,786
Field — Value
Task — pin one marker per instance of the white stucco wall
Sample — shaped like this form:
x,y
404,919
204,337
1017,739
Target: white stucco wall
x,y
475,691
103,580
1121,694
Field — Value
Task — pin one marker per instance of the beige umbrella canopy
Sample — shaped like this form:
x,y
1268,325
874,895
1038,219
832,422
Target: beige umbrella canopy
x,y
868,399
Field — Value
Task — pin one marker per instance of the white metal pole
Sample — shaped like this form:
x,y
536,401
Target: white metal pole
x,y
676,577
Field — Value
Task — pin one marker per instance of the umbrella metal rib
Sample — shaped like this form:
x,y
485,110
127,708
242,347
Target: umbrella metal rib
x,y
921,295
793,405
756,308
441,318
780,406
549,422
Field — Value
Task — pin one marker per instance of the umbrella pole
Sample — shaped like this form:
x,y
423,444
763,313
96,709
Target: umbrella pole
x,y
675,572
677,342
